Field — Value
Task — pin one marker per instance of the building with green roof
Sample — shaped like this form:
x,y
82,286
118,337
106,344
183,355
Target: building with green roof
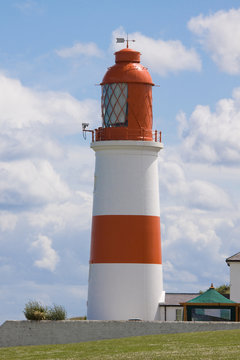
x,y
211,306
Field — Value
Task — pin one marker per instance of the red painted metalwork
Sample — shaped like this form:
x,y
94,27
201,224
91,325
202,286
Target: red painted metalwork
x,y
126,101
133,118
102,134
127,69
90,131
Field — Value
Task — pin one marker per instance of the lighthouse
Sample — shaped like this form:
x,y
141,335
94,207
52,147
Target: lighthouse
x,y
125,273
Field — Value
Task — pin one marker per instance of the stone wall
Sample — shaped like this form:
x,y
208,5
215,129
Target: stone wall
x,y
17,333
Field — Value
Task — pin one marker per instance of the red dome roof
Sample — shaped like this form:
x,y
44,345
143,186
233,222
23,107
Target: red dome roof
x,y
127,69
127,55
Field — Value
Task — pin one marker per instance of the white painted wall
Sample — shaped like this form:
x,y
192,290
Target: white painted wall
x,y
126,183
126,178
169,312
235,281
124,291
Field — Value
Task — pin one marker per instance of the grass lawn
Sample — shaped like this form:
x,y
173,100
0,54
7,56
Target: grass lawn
x,y
216,345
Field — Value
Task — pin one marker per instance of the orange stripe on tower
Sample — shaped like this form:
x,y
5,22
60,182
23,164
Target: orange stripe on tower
x,y
126,239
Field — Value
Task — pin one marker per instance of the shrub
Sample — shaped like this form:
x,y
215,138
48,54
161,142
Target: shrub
x,y
56,312
34,310
38,315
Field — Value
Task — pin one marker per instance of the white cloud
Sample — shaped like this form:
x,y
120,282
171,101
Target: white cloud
x,y
8,221
219,33
36,164
74,214
25,109
204,195
49,257
161,56
195,227
198,194
199,223
27,182
182,123
193,247
213,137
78,49
171,272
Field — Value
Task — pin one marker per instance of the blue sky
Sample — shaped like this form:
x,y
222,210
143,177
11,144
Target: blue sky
x,y
52,56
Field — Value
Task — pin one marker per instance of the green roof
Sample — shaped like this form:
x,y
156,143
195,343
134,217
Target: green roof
x,y
211,296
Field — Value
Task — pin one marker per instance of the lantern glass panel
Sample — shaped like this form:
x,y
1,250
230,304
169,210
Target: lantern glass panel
x,y
114,104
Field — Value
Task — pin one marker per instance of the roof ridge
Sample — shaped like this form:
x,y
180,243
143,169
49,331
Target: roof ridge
x,y
183,293
231,258
211,296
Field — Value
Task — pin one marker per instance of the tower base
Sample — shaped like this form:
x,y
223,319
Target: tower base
x,y
136,293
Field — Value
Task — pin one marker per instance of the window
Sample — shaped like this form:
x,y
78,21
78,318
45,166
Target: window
x,y
114,104
179,315
211,314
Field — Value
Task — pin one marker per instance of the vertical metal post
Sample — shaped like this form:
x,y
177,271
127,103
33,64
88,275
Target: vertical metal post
x,y
185,312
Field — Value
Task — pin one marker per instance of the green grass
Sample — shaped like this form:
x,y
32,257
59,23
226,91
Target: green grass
x,y
216,345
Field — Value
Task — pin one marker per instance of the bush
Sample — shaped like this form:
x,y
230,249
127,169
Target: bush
x,y
34,310
56,312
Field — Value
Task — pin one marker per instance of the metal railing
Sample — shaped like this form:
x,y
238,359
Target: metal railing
x,y
101,134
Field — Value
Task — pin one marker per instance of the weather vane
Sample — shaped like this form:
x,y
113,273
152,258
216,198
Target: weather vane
x,y
122,40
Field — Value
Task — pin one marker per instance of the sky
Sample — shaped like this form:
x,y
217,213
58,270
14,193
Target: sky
x,y
53,55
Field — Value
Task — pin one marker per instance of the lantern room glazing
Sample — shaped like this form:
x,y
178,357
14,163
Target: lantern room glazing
x,y
114,104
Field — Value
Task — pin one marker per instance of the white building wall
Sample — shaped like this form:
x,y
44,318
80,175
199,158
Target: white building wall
x,y
235,281
169,313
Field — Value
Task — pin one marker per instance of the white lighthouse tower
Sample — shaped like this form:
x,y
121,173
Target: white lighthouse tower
x,y
125,276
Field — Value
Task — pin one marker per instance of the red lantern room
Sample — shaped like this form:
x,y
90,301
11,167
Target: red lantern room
x,y
126,100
